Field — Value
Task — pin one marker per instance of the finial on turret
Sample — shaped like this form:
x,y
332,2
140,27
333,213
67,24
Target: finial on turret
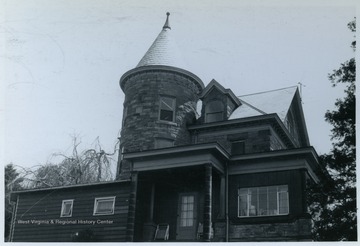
x,y
167,25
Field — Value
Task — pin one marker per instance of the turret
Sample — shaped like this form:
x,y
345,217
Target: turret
x,y
160,98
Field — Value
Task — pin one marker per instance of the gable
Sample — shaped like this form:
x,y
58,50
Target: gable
x,y
286,103
269,102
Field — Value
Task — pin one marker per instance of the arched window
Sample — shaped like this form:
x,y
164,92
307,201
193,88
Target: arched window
x,y
214,111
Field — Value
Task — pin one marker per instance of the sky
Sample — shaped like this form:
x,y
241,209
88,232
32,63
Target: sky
x,y
61,61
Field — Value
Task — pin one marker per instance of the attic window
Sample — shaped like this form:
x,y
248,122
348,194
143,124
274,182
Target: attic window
x,y
214,111
66,208
104,205
167,108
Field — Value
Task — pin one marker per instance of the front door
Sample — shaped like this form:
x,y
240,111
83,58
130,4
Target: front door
x,y
187,216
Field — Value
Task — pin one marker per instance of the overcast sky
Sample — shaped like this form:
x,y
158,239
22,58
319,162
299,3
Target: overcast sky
x,y
61,61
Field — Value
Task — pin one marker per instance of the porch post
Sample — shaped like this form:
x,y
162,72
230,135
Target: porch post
x,y
132,208
208,201
222,198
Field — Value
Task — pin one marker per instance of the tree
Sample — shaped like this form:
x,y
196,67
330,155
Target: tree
x,y
12,183
80,167
334,200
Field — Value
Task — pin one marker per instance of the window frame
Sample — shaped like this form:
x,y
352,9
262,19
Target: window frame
x,y
96,205
249,204
63,206
173,107
211,114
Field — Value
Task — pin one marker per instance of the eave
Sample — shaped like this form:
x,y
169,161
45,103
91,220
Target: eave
x,y
179,156
300,158
14,194
157,68
270,119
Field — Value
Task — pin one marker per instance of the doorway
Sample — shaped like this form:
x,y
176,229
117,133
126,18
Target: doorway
x,y
187,216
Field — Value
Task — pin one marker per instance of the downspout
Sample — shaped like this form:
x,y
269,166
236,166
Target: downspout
x,y
13,221
226,203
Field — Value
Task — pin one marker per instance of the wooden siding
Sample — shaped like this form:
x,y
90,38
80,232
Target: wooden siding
x,y
38,214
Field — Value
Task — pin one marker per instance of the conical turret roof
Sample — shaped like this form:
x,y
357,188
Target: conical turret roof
x,y
164,50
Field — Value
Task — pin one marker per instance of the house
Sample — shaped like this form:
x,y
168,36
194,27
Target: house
x,y
197,163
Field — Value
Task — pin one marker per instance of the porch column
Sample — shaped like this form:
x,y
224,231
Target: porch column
x,y
130,230
222,198
208,201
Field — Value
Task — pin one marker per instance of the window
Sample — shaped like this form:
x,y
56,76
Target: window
x,y
66,208
187,211
104,205
167,108
263,201
214,111
238,147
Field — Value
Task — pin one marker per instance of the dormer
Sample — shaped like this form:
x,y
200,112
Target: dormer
x,y
218,103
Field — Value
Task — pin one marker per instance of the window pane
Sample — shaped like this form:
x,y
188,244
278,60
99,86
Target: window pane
x,y
283,203
191,199
167,103
167,108
104,206
66,208
263,201
243,202
272,193
187,211
213,117
166,115
253,201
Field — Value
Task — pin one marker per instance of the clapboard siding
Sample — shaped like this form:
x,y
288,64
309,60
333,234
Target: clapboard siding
x,y
45,206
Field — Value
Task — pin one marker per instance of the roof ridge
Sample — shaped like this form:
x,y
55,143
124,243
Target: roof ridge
x,y
262,92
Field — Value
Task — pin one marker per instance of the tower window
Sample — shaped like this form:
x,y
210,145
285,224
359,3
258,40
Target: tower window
x,y
167,108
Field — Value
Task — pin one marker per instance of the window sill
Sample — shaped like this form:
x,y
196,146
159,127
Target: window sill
x,y
164,122
263,219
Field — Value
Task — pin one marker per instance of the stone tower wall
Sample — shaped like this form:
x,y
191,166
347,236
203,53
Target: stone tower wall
x,y
141,123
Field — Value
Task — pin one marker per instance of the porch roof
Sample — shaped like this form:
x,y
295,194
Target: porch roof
x,y
179,156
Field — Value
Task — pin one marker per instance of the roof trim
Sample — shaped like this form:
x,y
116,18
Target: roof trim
x,y
278,153
274,118
176,150
233,121
153,68
213,83
70,186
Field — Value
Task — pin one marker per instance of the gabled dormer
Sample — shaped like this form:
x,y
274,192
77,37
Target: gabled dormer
x,y
218,103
